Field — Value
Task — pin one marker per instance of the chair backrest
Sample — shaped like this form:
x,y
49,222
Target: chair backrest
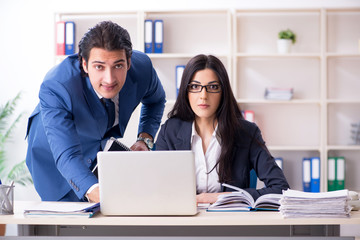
x,y
253,179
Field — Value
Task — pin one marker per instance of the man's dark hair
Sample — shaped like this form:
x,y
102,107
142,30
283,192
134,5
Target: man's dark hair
x,y
106,35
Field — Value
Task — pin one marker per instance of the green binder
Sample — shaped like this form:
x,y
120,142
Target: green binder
x,y
331,173
340,173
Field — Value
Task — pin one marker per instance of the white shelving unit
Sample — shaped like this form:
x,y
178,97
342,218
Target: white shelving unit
x,y
342,89
291,129
323,68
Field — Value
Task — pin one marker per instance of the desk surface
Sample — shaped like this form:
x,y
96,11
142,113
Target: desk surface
x,y
203,218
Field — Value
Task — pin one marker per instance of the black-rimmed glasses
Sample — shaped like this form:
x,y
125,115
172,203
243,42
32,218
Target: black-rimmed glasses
x,y
211,88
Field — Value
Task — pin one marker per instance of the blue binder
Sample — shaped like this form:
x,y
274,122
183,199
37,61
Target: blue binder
x,y
315,174
159,36
306,174
279,161
178,75
69,38
148,36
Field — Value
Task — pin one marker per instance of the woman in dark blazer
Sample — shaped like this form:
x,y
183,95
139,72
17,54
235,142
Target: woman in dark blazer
x,y
207,120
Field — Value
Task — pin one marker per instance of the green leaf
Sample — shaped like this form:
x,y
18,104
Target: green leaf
x,y
19,172
287,34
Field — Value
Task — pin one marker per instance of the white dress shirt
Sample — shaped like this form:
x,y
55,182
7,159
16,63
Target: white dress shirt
x,y
206,182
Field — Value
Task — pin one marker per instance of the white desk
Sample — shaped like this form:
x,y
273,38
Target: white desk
x,y
204,223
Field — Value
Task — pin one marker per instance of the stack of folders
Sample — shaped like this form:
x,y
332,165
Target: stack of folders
x,y
297,204
63,209
311,174
336,173
154,36
65,38
279,93
355,133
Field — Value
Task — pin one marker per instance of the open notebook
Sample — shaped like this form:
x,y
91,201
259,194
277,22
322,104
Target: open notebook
x,y
147,183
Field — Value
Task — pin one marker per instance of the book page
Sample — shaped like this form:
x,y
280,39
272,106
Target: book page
x,y
271,201
233,201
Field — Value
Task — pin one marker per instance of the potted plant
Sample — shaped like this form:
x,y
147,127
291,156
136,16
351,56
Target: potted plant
x,y
286,38
8,173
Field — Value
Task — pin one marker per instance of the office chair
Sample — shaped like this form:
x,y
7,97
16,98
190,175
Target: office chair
x,y
253,179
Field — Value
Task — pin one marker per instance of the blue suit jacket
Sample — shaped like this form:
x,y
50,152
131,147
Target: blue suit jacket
x,y
175,134
68,127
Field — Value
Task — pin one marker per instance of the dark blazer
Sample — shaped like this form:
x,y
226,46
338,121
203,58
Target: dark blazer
x,y
250,153
69,125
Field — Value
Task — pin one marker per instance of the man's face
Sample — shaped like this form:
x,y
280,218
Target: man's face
x,y
107,71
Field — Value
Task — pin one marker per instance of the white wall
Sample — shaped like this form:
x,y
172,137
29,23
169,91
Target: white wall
x,y
27,45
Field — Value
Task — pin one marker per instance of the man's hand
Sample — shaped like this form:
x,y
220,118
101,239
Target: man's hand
x,y
94,195
140,145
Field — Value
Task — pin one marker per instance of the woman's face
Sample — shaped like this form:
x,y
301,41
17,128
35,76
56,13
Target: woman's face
x,y
204,101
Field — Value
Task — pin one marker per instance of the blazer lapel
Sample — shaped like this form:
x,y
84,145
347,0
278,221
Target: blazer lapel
x,y
96,107
127,97
183,136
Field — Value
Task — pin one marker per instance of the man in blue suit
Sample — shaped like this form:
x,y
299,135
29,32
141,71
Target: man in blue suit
x,y
71,123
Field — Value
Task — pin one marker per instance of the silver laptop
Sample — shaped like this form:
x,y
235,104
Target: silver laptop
x,y
147,183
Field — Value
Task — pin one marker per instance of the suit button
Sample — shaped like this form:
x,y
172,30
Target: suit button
x,y
89,161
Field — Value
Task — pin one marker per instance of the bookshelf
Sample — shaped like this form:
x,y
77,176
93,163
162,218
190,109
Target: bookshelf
x,y
322,67
343,81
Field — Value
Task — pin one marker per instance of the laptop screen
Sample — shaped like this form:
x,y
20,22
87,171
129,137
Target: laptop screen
x,y
147,183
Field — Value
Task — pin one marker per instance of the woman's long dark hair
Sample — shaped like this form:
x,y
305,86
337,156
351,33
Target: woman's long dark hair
x,y
228,113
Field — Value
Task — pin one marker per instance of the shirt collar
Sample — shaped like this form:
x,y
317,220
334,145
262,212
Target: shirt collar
x,y
98,94
195,134
114,99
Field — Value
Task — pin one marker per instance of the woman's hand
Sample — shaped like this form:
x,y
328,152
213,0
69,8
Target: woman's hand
x,y
207,197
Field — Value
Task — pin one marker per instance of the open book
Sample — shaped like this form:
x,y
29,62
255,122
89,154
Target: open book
x,y
243,201
63,209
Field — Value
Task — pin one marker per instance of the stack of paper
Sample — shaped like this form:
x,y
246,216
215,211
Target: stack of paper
x,y
279,93
297,204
